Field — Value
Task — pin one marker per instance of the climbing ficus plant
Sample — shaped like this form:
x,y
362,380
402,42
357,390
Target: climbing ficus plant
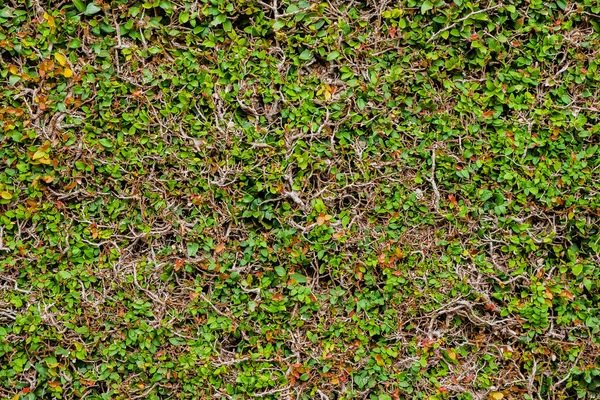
x,y
277,199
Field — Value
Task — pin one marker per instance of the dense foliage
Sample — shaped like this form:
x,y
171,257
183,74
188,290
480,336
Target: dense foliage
x,y
293,199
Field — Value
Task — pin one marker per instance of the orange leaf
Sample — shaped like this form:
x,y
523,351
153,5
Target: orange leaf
x,y
565,293
71,185
94,230
47,178
53,384
321,219
277,297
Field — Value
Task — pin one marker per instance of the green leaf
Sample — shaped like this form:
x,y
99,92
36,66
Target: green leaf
x,y
106,143
184,17
219,19
75,43
79,5
360,103
91,9
577,269
227,26
177,341
306,55
6,13
280,271
192,249
166,5
298,278
333,55
64,274
426,6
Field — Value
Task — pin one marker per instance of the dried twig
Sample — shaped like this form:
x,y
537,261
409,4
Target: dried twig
x,y
461,20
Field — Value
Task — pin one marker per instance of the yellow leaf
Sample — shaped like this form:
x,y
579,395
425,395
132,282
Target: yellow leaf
x,y
68,72
379,360
62,60
13,70
496,396
39,154
50,19
451,355
334,380
6,195
47,178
